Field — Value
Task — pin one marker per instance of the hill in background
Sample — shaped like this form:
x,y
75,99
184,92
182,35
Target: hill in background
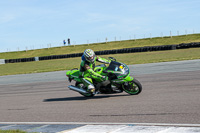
x,y
102,46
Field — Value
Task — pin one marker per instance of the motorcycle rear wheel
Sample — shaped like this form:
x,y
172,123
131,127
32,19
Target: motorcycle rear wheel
x,y
133,87
81,85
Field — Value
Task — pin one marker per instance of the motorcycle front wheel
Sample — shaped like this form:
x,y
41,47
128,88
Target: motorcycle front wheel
x,y
133,87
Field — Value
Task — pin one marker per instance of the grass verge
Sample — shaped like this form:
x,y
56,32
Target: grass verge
x,y
102,46
69,63
12,131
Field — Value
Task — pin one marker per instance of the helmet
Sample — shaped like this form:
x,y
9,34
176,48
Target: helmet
x,y
89,55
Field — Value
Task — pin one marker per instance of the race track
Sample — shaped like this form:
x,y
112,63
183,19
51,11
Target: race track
x,y
170,94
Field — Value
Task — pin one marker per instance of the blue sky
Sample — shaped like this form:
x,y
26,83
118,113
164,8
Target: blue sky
x,y
37,23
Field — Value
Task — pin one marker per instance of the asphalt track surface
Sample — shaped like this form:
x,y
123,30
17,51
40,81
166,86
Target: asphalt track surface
x,y
171,94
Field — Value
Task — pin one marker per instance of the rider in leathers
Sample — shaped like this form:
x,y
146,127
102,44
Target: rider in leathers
x,y
87,69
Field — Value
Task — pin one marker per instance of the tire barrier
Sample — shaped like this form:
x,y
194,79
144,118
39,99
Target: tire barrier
x,y
20,60
60,56
106,52
138,49
188,45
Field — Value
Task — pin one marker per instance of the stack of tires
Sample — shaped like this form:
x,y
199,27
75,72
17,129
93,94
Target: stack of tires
x,y
20,60
188,45
116,51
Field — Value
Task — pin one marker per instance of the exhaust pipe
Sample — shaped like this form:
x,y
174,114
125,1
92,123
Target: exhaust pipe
x,y
74,88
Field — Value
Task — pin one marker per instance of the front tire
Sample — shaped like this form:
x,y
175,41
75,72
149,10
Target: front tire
x,y
133,87
81,85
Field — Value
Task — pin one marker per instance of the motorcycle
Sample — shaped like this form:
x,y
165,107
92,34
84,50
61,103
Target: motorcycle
x,y
119,80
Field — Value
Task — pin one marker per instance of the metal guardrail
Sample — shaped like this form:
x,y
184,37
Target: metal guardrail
x,y
106,52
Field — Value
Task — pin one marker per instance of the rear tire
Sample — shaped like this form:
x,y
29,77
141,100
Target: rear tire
x,y
133,87
81,85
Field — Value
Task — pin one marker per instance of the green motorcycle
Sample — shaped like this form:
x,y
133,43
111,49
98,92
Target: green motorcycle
x,y
119,80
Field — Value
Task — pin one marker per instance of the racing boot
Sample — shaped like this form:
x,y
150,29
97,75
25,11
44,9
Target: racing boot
x,y
91,89
90,86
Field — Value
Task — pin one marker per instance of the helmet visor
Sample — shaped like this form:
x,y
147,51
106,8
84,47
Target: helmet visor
x,y
91,58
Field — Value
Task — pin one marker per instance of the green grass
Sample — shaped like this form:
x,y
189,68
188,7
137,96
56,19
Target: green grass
x,y
102,46
69,63
12,131
130,58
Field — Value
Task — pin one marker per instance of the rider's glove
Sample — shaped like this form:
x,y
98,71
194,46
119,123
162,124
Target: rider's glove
x,y
104,78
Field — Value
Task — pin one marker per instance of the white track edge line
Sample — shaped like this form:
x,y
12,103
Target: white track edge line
x,y
103,123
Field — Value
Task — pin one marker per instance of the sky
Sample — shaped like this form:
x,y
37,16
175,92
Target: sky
x,y
35,24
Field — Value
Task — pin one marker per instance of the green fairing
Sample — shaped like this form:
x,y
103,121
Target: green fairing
x,y
74,74
128,78
68,73
121,81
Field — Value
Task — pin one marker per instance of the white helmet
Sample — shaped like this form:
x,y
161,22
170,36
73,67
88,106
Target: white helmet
x,y
89,55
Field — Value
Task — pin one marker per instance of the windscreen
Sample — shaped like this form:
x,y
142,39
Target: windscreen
x,y
118,68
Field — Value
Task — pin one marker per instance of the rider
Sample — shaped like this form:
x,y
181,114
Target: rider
x,y
87,69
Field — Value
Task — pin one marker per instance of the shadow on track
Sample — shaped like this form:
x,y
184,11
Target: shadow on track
x,y
80,98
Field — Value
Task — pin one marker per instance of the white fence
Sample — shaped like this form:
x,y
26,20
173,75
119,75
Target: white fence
x,y
100,40
2,61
